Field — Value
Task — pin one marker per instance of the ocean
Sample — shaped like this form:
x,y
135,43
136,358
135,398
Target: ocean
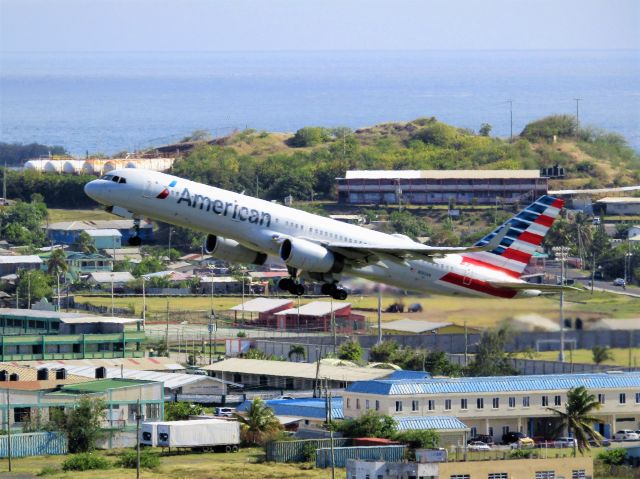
x,y
110,102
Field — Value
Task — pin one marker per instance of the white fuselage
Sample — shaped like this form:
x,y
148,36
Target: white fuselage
x,y
262,226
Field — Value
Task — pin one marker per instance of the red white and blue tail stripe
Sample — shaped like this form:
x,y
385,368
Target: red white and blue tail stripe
x,y
526,231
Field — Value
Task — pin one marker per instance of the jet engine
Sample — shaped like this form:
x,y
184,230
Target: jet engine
x,y
232,251
307,256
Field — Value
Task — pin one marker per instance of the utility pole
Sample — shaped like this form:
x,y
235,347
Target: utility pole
x,y
213,327
328,399
466,344
138,419
577,114
9,431
593,270
4,184
333,328
561,254
167,330
112,295
144,305
510,102
379,314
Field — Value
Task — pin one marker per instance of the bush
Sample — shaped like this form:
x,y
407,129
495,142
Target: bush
x,y
85,462
48,471
310,136
550,126
521,453
309,452
148,460
613,457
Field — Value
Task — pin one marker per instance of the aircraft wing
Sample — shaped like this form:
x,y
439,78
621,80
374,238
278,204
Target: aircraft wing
x,y
551,288
411,250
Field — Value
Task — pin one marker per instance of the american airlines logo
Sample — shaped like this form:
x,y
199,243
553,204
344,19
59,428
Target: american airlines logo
x,y
164,193
225,208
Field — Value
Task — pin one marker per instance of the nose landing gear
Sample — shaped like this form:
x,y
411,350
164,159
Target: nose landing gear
x,y
288,284
135,240
332,289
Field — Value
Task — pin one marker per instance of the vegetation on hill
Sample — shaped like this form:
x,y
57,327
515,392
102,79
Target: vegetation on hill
x,y
14,154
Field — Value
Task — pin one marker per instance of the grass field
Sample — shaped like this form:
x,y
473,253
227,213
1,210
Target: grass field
x,y
56,215
189,466
477,312
620,356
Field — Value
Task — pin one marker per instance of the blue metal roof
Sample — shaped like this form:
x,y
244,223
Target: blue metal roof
x,y
312,408
548,382
408,375
410,423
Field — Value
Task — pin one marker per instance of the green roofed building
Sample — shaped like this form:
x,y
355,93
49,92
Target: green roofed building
x,y
29,335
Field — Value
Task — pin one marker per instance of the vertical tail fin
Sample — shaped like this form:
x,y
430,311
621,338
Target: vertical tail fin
x,y
526,231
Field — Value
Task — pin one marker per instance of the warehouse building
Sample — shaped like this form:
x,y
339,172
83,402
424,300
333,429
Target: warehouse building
x,y
427,187
618,206
68,232
318,315
13,264
29,335
497,405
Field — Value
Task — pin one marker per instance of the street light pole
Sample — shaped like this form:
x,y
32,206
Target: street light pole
x,y
561,253
112,306
144,305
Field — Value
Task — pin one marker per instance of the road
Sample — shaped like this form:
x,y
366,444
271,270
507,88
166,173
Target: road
x,y
599,285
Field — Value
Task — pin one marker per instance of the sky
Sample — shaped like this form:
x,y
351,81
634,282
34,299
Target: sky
x,y
259,25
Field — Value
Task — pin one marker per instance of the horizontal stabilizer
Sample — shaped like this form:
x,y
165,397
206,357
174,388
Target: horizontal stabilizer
x,y
555,288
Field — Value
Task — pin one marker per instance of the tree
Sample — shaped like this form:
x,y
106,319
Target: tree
x,y
351,351
57,266
180,410
258,422
82,423
420,438
298,351
561,126
601,354
492,358
310,136
85,243
34,285
370,424
384,352
578,417
20,223
485,129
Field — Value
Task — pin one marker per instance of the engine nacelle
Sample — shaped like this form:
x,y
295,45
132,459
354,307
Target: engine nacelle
x,y
232,251
311,257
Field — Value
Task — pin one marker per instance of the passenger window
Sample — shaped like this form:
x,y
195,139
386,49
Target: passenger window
x,y
115,179
122,180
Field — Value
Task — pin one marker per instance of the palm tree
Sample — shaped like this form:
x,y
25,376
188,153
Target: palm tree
x,y
57,265
258,421
85,243
298,351
578,417
601,354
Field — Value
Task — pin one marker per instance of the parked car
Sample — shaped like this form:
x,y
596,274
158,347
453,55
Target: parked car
x,y
285,397
564,441
626,435
604,442
523,443
478,446
481,438
225,411
513,436
619,282
415,308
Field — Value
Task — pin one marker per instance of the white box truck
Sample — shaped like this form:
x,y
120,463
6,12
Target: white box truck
x,y
201,434
149,433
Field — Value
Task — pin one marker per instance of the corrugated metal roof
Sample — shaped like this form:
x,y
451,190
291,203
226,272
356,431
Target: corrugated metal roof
x,y
619,199
315,308
408,375
103,232
141,364
170,380
108,277
307,408
261,305
441,174
97,224
616,324
548,382
30,259
295,370
440,423
413,325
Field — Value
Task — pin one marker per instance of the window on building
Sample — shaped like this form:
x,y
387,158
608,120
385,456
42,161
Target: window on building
x,y
545,401
545,475
526,400
348,403
398,406
357,403
505,430
557,400
21,414
623,398
474,431
447,404
480,403
377,405
415,405
512,402
460,476
366,404
578,474
152,412
491,431
463,404
498,475
495,403
133,412
432,404
601,398
637,398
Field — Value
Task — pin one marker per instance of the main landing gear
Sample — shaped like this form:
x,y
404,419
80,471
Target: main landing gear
x,y
332,289
135,240
288,284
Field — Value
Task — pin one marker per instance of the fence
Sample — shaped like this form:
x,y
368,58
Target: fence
x,y
366,453
299,451
34,444
536,366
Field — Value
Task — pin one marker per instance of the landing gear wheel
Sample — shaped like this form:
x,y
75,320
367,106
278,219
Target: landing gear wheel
x,y
298,290
339,294
286,284
327,289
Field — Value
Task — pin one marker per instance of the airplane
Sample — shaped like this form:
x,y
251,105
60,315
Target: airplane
x,y
243,229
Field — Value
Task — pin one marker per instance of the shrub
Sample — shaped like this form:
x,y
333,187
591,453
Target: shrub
x,y
521,453
309,452
546,128
148,460
85,462
48,471
613,457
310,136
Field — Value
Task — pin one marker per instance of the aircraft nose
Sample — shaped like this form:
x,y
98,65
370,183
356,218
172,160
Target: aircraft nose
x,y
92,190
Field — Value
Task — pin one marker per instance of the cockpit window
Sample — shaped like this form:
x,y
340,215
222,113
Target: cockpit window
x,y
115,179
107,177
122,180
